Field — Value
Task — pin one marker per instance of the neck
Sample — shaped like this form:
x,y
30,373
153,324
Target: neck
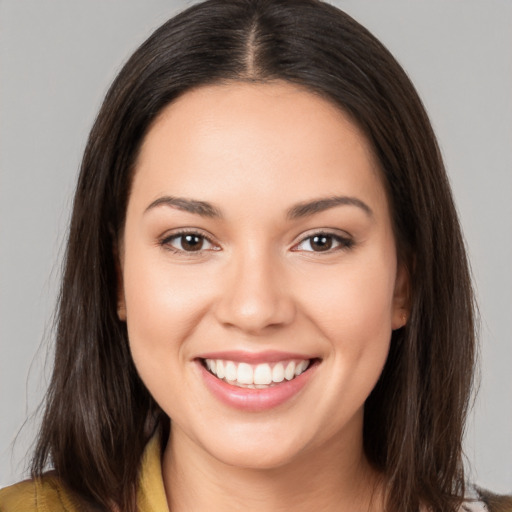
x,y
314,480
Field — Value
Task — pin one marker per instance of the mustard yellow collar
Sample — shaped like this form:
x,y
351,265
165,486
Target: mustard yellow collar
x,y
151,493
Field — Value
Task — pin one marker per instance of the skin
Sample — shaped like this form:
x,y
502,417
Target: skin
x,y
254,151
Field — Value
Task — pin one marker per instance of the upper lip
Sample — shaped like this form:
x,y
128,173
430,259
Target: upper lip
x,y
242,356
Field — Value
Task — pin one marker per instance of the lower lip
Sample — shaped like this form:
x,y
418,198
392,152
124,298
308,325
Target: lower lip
x,y
255,400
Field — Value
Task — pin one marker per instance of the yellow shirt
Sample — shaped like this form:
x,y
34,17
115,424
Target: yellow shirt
x,y
47,494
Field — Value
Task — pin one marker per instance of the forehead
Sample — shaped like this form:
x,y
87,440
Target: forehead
x,y
245,140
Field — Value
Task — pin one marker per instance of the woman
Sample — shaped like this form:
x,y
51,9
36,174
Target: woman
x,y
265,285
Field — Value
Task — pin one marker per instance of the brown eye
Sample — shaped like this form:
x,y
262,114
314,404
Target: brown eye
x,y
321,242
324,242
191,242
188,242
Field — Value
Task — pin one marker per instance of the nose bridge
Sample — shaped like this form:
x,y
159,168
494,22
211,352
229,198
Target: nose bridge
x,y
254,294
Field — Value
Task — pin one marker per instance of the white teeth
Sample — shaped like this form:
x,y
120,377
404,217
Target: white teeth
x,y
262,374
230,370
289,373
301,367
278,372
220,369
244,374
256,376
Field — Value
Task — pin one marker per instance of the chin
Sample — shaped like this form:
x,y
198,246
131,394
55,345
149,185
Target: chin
x,y
255,458
252,448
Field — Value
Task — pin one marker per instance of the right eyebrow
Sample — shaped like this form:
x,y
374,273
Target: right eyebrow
x,y
201,208
319,205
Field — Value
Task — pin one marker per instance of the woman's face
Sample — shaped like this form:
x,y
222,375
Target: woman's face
x,y
259,273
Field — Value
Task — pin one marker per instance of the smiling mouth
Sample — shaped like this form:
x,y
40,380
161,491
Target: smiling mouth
x,y
256,376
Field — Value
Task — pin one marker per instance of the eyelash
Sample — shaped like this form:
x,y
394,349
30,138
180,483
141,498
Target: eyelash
x,y
344,243
166,242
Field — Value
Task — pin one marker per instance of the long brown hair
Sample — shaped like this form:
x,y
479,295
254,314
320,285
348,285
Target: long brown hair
x,y
99,415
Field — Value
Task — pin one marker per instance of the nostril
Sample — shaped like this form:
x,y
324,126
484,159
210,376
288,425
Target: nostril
x,y
253,315
254,297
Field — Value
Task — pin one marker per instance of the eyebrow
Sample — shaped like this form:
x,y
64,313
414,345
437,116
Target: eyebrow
x,y
201,208
309,208
305,209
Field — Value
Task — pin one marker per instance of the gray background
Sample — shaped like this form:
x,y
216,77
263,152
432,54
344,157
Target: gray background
x,y
57,58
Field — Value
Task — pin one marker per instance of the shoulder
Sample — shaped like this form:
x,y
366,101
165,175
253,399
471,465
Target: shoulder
x,y
46,494
18,497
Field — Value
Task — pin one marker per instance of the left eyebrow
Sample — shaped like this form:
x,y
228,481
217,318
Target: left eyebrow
x,y
308,208
201,208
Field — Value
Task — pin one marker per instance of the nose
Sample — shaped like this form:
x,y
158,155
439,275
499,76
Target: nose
x,y
254,296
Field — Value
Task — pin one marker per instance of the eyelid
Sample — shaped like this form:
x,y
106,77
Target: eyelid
x,y
165,240
345,240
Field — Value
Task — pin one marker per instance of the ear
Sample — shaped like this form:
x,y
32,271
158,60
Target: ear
x,y
401,297
121,303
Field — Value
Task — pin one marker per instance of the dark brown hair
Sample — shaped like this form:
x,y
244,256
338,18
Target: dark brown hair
x,y
99,415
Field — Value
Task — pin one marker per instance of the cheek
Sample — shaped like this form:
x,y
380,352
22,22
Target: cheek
x,y
353,310
353,303
164,306
163,303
